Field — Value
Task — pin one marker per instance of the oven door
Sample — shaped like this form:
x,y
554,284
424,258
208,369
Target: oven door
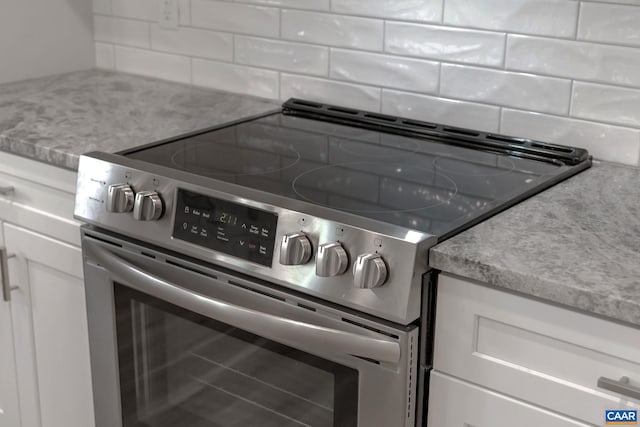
x,y
178,343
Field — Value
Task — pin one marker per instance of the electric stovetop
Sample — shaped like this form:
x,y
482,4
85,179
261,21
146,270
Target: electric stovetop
x,y
423,176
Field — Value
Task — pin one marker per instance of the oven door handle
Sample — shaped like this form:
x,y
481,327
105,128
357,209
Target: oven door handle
x,y
280,329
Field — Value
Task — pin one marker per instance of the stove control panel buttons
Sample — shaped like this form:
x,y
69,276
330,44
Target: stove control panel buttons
x,y
295,249
369,271
148,206
119,198
331,260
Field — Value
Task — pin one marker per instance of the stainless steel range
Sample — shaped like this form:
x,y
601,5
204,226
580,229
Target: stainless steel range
x,y
273,271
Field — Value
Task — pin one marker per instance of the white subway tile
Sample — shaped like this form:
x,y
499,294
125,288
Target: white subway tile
x,y
238,18
606,103
528,91
296,4
286,56
105,56
154,64
193,42
236,78
330,29
604,142
577,60
440,110
149,10
442,43
544,17
384,70
610,23
408,10
121,31
102,7
321,90
146,10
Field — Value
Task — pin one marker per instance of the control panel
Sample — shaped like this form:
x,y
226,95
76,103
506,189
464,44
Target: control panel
x,y
234,229
345,259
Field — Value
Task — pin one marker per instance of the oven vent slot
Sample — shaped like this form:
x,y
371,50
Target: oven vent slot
x,y
117,245
461,131
353,322
266,294
366,359
306,307
343,110
510,140
380,117
188,268
307,103
553,147
419,124
147,254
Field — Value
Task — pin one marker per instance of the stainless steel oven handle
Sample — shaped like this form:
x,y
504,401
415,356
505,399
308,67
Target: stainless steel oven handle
x,y
286,331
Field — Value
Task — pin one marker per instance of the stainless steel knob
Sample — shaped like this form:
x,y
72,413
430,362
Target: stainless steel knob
x,y
148,206
331,260
369,271
295,249
120,198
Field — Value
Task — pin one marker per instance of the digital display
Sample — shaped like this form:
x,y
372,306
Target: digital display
x,y
234,229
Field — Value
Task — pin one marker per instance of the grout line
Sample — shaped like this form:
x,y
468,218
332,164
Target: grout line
x,y
570,112
191,71
578,23
504,51
233,48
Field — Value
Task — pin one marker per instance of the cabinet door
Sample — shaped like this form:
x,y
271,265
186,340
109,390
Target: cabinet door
x,y
50,330
456,403
534,351
9,409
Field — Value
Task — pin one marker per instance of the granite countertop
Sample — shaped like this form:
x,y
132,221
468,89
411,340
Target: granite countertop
x,y
576,244
55,119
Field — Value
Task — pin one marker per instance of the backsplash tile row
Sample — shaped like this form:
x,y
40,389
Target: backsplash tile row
x,y
564,71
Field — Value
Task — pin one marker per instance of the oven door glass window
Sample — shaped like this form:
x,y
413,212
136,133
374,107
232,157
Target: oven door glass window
x,y
178,368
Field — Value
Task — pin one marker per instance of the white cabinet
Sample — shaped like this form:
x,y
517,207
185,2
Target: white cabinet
x,y
535,353
9,408
457,403
47,307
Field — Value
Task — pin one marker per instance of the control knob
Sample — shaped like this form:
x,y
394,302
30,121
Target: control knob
x,y
295,249
331,260
148,206
369,271
119,198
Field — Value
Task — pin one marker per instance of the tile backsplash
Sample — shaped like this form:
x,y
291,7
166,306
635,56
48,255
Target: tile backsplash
x,y
563,71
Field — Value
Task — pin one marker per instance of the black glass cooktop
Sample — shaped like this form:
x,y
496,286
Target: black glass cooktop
x,y
418,175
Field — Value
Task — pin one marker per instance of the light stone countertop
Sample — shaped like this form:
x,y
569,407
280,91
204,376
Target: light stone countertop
x,y
575,244
55,119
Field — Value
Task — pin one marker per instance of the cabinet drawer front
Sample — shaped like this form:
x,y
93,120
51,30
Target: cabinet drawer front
x,y
537,352
456,403
42,198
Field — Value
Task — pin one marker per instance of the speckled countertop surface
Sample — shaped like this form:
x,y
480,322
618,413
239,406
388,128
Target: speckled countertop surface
x,y
55,119
576,244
